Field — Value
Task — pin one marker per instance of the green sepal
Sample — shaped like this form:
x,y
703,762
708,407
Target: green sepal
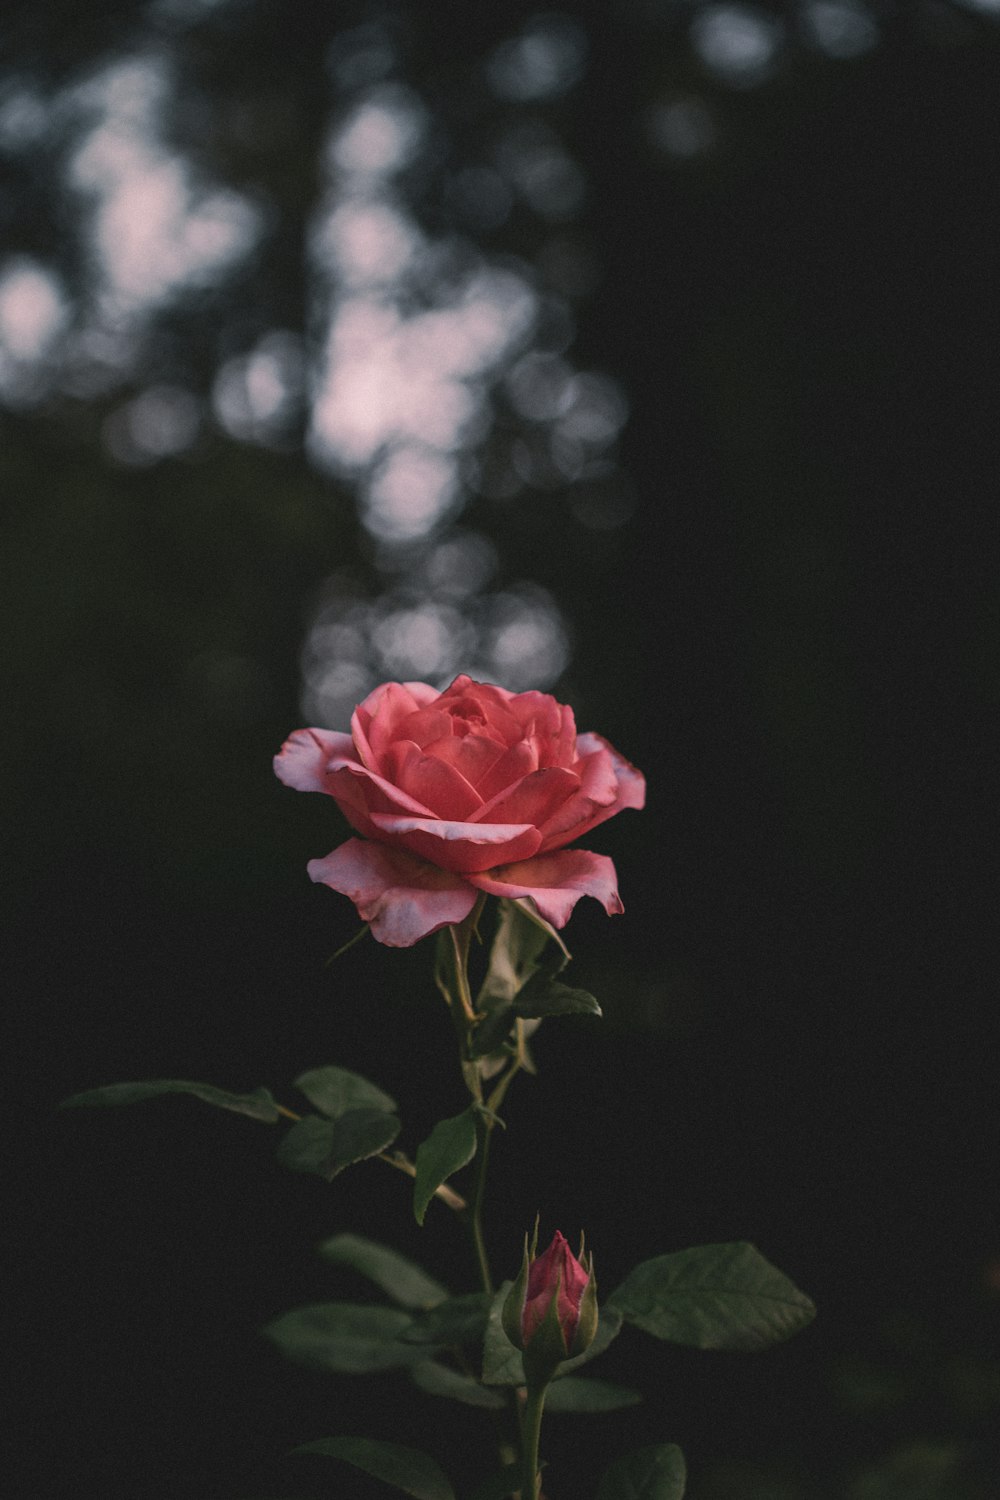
x,y
512,1309
609,1326
492,1031
724,1296
446,966
586,1328
326,1147
450,1146
334,1091
439,1380
258,1105
516,955
400,1278
502,1363
527,911
654,1473
546,1350
348,1338
405,1469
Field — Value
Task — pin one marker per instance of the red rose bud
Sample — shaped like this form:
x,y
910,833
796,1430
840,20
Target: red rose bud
x,y
551,1310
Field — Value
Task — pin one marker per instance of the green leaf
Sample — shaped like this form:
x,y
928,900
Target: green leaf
x,y
405,1469
450,1145
502,1364
575,1395
713,1297
259,1105
333,1091
359,1134
308,1145
654,1473
438,1380
398,1277
326,1147
456,1321
544,996
345,1337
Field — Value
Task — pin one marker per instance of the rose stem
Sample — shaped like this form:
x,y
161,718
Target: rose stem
x,y
531,1427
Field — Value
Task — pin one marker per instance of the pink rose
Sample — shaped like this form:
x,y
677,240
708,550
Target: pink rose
x,y
550,1312
473,789
555,1274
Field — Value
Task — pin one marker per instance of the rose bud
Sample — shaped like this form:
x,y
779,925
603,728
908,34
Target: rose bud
x,y
551,1310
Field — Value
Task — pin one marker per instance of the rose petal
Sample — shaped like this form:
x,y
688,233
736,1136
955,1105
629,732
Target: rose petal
x,y
597,774
375,720
304,758
516,763
484,706
584,811
537,713
555,882
472,754
564,746
484,692
372,792
459,846
403,898
533,800
434,783
426,725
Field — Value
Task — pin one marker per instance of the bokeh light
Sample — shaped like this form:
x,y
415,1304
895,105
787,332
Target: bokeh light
x,y
428,375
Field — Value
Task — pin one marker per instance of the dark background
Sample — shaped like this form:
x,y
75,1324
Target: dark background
x,y
793,633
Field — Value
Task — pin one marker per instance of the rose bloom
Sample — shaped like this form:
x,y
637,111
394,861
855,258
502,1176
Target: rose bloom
x,y
470,790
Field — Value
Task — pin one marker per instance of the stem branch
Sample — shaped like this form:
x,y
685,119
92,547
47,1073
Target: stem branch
x,y
483,1132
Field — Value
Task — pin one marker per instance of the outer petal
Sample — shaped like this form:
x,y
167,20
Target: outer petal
x,y
304,758
555,882
359,793
458,846
583,812
632,783
403,898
